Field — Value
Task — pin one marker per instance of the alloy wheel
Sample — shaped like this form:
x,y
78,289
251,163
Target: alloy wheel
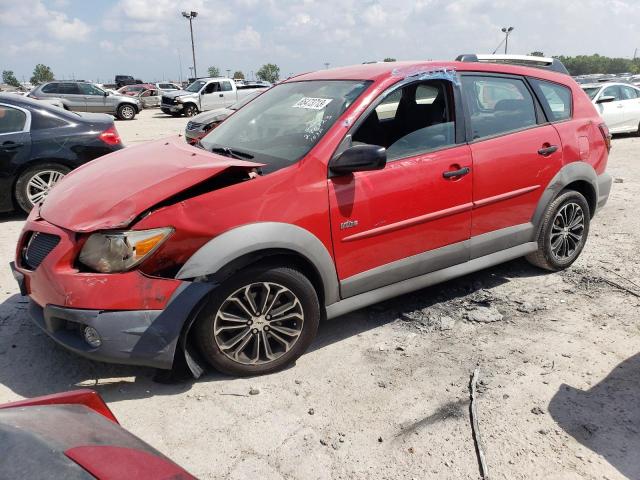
x,y
567,231
40,184
258,323
127,112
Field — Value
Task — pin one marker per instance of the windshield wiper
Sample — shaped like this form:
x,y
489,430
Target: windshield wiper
x,y
228,152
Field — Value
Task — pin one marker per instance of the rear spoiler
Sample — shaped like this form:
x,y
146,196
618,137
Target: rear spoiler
x,y
546,63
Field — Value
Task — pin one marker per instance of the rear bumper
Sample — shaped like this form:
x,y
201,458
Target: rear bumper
x,y
604,189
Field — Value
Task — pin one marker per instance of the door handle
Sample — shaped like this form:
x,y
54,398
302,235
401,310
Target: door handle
x,y
221,95
620,106
10,146
456,173
546,151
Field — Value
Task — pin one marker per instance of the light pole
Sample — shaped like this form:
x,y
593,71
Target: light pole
x,y
228,72
506,31
191,16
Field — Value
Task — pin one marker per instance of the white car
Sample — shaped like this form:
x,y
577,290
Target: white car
x,y
618,105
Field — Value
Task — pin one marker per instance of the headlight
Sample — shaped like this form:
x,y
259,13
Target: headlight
x,y
120,251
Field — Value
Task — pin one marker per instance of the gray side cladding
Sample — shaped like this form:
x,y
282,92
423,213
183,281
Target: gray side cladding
x,y
255,237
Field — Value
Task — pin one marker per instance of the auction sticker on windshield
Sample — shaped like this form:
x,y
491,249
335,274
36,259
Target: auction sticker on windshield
x,y
312,103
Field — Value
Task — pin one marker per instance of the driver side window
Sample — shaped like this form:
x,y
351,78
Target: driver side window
x,y
212,87
411,120
613,91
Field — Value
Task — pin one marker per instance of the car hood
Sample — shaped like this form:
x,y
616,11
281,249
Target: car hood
x,y
212,115
177,93
112,191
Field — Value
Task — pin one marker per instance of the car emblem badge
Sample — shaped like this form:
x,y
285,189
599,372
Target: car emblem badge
x,y
348,224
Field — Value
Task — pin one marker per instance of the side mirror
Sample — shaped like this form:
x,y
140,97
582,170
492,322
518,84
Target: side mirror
x,y
606,99
106,94
359,158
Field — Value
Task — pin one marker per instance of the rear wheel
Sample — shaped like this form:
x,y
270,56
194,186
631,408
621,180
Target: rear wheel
x,y
126,112
34,184
564,231
258,321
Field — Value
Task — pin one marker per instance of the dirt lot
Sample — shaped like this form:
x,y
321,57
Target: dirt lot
x,y
383,393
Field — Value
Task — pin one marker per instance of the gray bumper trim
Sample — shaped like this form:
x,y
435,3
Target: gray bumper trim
x,y
133,337
604,189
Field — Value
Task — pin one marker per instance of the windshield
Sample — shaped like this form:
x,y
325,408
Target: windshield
x,y
245,100
591,91
195,86
280,126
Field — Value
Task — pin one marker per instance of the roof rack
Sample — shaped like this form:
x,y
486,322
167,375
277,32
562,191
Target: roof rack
x,y
546,63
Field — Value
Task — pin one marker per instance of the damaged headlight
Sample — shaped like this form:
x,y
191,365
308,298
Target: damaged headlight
x,y
120,251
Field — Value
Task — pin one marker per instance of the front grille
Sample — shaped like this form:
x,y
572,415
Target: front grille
x,y
39,246
168,100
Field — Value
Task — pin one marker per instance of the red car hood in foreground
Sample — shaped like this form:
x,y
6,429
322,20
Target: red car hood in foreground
x,y
112,191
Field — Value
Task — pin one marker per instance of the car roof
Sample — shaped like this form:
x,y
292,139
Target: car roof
x,y
605,84
381,70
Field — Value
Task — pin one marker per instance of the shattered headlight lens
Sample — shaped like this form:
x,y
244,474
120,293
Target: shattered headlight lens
x,y
120,251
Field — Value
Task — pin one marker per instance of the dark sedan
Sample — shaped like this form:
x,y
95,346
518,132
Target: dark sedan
x,y
74,435
40,144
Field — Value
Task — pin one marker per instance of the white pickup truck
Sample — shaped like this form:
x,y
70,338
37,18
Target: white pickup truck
x,y
205,94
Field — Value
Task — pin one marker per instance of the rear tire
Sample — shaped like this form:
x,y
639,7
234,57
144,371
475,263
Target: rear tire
x,y
258,321
34,184
126,112
564,231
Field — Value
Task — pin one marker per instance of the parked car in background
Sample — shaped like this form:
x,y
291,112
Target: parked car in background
x,y
40,144
167,86
75,436
618,104
205,94
122,80
204,122
149,98
304,205
135,90
86,97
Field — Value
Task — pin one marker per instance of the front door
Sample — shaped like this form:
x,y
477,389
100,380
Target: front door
x,y
413,216
94,98
515,156
211,97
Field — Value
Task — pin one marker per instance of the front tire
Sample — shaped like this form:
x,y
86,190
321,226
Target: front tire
x,y
564,231
190,110
258,321
33,185
126,112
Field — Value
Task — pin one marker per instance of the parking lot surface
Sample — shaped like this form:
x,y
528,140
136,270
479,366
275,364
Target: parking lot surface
x,y
384,392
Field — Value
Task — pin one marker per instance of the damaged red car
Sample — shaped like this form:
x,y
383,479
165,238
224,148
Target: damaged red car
x,y
332,191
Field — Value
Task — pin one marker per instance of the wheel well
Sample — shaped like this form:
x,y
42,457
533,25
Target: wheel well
x,y
122,104
587,191
273,257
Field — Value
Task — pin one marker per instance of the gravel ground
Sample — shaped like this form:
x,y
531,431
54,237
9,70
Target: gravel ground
x,y
384,392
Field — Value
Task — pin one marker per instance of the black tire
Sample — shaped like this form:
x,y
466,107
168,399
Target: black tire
x,y
552,223
296,283
190,110
126,111
21,189
166,111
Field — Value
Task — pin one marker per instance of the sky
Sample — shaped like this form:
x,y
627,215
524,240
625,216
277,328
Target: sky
x,y
149,39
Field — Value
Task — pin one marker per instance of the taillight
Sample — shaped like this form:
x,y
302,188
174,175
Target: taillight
x,y
110,136
606,136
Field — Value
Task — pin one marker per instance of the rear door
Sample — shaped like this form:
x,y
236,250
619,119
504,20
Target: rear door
x,y
228,94
409,218
74,98
515,153
15,149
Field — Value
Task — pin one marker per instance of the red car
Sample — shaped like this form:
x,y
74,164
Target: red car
x,y
332,191
74,435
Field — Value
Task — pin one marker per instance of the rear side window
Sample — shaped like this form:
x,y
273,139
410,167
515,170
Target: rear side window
x,y
226,86
11,120
50,88
68,88
44,120
498,105
555,97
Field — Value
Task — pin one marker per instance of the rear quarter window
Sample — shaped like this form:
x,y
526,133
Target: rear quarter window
x,y
556,99
11,120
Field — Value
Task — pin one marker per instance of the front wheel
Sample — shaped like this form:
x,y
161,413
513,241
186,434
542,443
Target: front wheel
x,y
564,231
126,112
258,321
34,184
190,110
